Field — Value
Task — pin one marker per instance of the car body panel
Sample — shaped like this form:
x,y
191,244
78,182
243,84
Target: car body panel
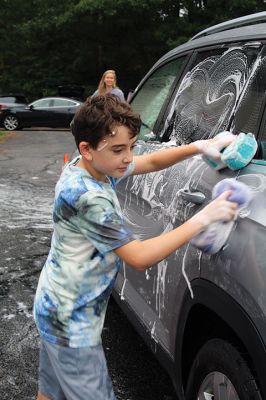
x,y
240,268
156,214
220,86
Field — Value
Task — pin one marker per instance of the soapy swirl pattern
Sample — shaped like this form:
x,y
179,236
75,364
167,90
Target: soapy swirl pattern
x,y
207,97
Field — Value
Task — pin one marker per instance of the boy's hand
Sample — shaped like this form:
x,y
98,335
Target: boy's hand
x,y
219,209
212,147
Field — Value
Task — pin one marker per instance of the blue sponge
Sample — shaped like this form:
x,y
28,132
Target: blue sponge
x,y
239,153
235,156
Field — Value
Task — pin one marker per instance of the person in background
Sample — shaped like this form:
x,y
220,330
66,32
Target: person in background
x,y
108,84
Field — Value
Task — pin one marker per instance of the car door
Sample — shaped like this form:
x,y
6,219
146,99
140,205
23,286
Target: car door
x,y
202,105
149,100
240,269
37,113
63,112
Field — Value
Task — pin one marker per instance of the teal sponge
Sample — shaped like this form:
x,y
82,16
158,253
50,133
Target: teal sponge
x,y
240,152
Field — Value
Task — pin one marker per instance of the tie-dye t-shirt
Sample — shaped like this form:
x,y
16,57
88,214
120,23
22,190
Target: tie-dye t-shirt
x,y
80,270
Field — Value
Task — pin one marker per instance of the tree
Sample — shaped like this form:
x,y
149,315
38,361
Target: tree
x,y
48,43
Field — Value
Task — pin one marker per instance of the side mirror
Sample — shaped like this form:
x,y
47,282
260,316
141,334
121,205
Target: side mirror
x,y
129,96
31,107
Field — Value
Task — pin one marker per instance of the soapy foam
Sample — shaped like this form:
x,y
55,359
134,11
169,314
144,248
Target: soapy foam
x,y
207,97
24,208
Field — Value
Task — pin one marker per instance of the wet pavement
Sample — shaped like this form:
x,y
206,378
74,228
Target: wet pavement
x,y
30,163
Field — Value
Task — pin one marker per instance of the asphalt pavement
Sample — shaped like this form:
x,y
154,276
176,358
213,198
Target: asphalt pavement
x,y
30,164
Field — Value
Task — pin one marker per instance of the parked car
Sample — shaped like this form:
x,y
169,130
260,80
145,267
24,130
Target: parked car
x,y
211,337
46,112
12,100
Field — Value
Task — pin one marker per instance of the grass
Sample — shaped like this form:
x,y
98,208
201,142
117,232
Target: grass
x,y
3,134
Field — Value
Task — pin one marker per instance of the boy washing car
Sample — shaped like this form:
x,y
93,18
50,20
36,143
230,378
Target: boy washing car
x,y
89,241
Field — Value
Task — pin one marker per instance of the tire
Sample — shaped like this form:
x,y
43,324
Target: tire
x,y
220,372
11,122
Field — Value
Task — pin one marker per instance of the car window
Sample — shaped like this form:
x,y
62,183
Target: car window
x,y
41,103
251,103
63,103
208,94
152,95
8,99
13,99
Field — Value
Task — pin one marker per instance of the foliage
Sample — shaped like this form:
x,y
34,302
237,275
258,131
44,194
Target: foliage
x,y
3,134
49,43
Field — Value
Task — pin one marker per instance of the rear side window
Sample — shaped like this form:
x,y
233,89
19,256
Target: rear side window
x,y
152,95
63,103
206,99
251,102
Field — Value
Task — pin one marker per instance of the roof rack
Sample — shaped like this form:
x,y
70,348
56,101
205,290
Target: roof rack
x,y
233,23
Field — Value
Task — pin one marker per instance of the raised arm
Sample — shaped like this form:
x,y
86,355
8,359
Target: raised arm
x,y
165,158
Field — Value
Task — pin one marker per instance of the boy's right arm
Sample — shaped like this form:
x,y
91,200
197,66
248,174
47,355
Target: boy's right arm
x,y
164,158
143,254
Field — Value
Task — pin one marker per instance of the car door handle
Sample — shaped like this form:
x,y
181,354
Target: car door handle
x,y
193,197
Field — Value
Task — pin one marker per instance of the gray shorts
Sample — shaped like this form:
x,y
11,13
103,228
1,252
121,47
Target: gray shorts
x,y
74,374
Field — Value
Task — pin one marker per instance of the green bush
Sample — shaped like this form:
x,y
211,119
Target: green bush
x,y
3,134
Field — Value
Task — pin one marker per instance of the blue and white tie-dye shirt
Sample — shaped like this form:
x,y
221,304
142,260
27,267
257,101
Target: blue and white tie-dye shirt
x,y
79,273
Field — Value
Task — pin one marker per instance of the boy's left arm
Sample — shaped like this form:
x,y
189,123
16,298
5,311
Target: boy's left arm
x,y
165,158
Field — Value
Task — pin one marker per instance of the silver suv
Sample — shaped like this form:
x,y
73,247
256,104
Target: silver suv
x,y
211,336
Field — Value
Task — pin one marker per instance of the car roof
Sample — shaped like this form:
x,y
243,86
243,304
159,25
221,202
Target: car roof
x,y
20,96
253,32
57,97
234,23
230,31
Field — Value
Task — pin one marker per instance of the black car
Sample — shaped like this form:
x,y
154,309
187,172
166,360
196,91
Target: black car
x,y
48,112
12,100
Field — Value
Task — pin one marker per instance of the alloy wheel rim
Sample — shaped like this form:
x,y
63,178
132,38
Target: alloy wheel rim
x,y
217,386
11,123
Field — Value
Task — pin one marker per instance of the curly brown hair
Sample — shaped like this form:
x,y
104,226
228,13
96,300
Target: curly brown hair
x,y
99,115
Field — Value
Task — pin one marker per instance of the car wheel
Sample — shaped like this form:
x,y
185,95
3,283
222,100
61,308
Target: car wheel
x,y
220,372
11,123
